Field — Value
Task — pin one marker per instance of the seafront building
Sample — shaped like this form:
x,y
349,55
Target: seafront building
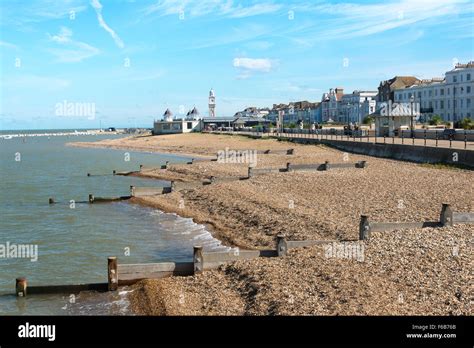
x,y
356,106
296,111
330,111
451,97
387,87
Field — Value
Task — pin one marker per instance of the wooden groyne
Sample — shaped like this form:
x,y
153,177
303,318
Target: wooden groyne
x,y
119,274
447,218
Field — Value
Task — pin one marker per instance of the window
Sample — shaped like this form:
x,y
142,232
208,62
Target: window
x,y
166,126
468,89
430,105
449,104
468,103
468,77
190,125
419,94
436,104
447,89
462,103
441,91
455,78
441,104
424,93
430,92
436,92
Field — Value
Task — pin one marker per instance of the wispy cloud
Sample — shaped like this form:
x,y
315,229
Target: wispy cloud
x,y
8,45
98,9
196,8
37,82
71,51
350,20
24,13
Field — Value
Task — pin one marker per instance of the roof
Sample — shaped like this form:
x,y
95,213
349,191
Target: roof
x,y
218,119
168,113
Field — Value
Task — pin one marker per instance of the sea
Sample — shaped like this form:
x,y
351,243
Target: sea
x,y
72,238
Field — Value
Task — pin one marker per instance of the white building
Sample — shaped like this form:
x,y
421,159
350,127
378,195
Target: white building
x,y
452,98
329,105
356,106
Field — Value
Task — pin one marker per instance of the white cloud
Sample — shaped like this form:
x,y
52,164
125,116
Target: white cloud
x,y
63,36
98,10
70,51
260,64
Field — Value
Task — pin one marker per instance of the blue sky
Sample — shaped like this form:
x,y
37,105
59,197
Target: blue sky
x,y
132,59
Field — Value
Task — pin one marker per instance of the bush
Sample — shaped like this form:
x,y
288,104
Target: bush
x,y
368,120
465,123
436,120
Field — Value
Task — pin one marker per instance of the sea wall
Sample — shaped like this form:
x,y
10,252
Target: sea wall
x,y
421,154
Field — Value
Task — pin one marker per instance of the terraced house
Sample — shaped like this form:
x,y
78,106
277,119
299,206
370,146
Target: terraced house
x,y
451,97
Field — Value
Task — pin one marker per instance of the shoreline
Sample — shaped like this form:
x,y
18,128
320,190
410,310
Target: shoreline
x,y
250,213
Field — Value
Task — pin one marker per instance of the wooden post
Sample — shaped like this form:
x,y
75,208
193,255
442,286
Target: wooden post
x,y
112,273
51,200
20,287
282,248
250,172
91,198
364,228
446,216
197,258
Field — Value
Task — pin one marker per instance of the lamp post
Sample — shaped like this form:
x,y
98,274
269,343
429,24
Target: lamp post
x,y
412,99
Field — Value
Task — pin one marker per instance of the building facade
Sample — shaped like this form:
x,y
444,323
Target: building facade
x,y
386,88
356,106
296,111
330,105
451,97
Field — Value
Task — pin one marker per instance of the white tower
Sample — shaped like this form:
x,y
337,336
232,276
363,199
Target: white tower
x,y
212,103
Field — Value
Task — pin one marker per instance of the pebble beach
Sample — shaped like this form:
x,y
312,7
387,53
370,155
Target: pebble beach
x,y
407,272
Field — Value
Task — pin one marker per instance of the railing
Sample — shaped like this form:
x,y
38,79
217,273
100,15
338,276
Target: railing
x,y
405,137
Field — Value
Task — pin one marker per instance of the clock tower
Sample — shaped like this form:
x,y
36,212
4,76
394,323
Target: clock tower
x,y
212,103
